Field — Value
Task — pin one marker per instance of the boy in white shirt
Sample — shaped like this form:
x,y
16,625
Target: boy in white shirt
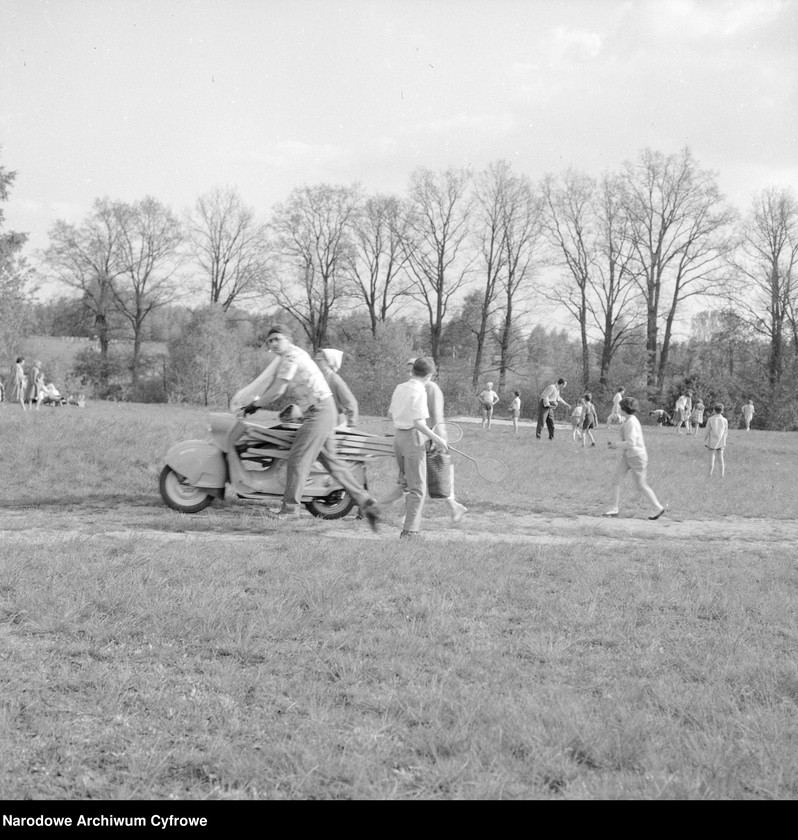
x,y
409,412
715,440
634,458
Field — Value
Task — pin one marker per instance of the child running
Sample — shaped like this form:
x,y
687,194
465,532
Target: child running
x,y
589,419
715,440
634,458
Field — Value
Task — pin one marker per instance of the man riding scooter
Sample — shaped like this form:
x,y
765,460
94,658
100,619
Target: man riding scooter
x,y
298,373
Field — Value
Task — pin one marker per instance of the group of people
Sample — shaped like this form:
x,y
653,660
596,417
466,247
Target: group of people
x,y
29,389
322,398
417,413
26,387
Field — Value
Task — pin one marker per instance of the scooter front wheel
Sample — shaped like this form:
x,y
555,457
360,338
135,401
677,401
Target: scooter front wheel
x,y
334,506
180,495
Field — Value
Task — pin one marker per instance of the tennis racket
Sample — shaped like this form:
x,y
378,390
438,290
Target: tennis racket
x,y
449,431
490,468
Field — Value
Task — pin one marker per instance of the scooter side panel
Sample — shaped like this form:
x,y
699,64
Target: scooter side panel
x,y
202,464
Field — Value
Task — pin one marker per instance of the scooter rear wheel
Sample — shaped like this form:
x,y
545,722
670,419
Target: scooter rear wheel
x,y
181,496
334,506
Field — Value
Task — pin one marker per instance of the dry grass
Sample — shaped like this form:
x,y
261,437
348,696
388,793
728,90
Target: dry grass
x,y
217,656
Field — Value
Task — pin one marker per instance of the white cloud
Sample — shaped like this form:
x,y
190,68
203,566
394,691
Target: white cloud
x,y
464,122
699,19
575,44
292,152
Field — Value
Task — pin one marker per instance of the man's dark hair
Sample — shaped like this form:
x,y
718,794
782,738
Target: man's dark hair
x,y
561,382
629,405
423,366
279,328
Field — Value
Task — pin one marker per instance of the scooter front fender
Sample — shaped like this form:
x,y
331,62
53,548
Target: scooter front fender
x,y
199,462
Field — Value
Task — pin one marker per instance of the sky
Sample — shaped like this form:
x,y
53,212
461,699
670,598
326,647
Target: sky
x,y
172,98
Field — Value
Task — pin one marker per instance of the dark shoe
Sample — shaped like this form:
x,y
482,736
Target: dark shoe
x,y
657,515
370,511
409,535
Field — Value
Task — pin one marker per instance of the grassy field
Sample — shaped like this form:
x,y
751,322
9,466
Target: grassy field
x,y
535,651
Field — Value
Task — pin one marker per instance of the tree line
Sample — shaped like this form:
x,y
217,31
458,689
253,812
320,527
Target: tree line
x,y
461,266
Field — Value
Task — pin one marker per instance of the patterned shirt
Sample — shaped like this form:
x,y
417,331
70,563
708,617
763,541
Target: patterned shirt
x,y
305,381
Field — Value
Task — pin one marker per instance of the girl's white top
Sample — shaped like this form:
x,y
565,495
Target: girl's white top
x,y
632,437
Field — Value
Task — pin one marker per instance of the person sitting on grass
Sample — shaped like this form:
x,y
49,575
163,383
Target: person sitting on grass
x,y
634,458
715,440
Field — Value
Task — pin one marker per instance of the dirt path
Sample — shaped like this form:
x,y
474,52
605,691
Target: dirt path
x,y
241,522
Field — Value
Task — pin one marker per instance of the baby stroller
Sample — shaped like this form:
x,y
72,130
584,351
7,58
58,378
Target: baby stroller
x,y
50,395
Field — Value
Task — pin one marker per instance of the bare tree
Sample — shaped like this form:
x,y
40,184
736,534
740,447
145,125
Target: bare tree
x,y
615,303
231,247
88,258
16,277
436,242
378,259
571,228
680,227
522,226
150,236
490,198
765,263
314,247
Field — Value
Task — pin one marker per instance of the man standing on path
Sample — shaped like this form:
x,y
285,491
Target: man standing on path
x,y
409,413
549,400
314,438
487,400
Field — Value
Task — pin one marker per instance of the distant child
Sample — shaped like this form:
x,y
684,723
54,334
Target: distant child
x,y
634,458
515,409
615,413
748,414
697,416
715,441
682,412
589,419
576,421
487,401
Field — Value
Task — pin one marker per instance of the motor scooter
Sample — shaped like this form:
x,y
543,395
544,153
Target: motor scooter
x,y
251,458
